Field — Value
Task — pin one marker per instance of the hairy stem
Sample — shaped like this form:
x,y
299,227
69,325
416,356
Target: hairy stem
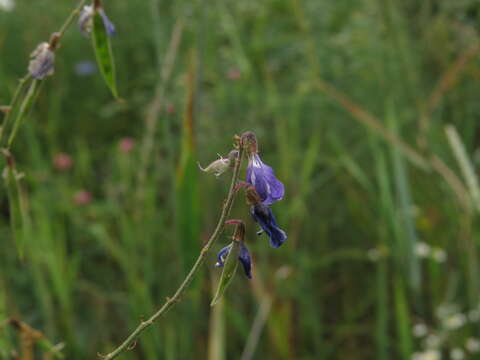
x,y
171,301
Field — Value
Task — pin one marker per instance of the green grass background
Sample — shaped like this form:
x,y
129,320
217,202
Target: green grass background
x,y
350,101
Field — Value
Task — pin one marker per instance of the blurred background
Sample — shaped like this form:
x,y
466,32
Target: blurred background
x,y
367,110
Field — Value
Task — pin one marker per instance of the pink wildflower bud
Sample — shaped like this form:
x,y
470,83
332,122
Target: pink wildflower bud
x,y
82,197
62,161
126,144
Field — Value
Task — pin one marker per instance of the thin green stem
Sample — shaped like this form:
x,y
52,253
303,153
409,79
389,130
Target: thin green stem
x,y
171,301
71,17
15,98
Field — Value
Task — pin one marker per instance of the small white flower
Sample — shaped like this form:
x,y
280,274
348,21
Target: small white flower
x,y
455,321
7,5
472,345
431,355
422,249
374,254
474,315
457,354
417,356
432,341
420,330
445,310
439,255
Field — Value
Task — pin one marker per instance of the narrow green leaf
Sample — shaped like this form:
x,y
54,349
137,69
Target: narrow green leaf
x,y
51,349
25,106
14,105
228,272
16,217
103,53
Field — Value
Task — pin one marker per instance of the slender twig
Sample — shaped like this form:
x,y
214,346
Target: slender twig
x,y
171,301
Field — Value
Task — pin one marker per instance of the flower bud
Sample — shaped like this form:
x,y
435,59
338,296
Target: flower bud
x,y
62,162
248,141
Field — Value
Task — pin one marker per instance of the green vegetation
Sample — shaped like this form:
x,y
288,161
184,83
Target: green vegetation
x,y
368,112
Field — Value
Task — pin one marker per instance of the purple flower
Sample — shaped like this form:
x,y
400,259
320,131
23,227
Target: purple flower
x,y
244,258
86,17
262,177
263,215
42,61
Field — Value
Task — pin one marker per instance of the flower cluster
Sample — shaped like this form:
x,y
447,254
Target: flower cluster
x,y
451,334
262,189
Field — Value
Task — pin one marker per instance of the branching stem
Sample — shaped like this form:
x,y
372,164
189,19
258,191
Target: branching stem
x,y
227,206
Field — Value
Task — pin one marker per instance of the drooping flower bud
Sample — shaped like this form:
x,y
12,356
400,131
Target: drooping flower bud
x,y
42,61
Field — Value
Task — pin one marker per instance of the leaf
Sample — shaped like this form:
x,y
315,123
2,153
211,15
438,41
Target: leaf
x,y
229,269
13,108
103,53
25,106
17,214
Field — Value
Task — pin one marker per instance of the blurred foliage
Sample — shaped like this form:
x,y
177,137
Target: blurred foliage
x,y
339,94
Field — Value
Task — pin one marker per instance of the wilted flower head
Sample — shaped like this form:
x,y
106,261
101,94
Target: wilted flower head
x,y
85,19
263,215
260,175
218,167
42,61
